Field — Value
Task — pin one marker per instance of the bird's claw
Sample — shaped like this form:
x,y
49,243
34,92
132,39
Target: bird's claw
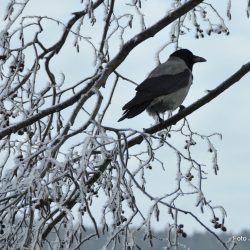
x,y
161,120
181,108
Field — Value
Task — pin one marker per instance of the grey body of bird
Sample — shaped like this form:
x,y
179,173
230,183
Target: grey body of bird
x,y
166,86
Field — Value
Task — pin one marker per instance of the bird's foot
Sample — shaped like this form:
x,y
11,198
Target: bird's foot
x,y
181,108
161,120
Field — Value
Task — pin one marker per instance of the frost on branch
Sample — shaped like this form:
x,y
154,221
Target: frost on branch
x,y
204,20
67,177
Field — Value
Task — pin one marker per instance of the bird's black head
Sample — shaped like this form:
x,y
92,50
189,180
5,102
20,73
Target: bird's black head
x,y
189,58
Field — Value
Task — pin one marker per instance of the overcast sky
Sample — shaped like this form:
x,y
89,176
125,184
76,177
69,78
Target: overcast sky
x,y
228,114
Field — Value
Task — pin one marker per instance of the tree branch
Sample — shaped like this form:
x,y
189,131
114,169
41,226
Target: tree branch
x,y
148,33
99,81
196,105
171,121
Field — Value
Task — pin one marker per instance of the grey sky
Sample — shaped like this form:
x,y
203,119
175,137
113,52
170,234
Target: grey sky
x,y
228,114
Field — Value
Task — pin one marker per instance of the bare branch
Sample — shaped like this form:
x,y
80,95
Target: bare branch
x,y
196,105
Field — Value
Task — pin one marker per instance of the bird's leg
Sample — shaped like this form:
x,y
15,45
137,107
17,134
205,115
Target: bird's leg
x,y
159,118
170,114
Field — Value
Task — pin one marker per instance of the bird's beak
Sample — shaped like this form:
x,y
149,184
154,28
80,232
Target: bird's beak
x,y
199,59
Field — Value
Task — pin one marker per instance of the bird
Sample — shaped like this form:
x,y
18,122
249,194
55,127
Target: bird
x,y
165,88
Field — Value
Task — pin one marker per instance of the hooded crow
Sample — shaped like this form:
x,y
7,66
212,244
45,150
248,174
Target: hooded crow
x,y
166,86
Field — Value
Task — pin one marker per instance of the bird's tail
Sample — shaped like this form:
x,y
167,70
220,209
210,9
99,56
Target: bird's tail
x,y
134,111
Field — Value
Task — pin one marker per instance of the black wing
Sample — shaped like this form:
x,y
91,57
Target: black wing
x,y
157,86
